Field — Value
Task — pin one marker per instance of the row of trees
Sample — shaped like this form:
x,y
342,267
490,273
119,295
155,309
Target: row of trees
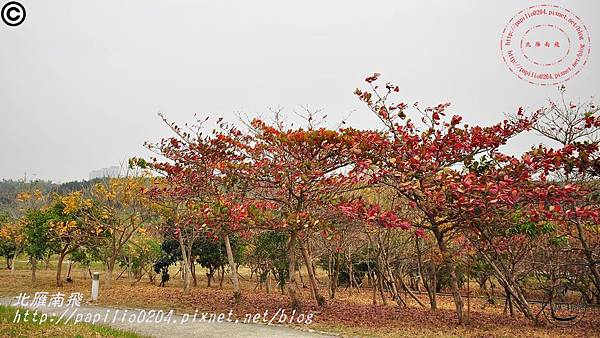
x,y
420,204
443,182
106,222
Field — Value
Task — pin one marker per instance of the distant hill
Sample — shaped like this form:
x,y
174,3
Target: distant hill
x,y
9,189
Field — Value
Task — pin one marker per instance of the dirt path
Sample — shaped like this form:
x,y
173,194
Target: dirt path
x,y
174,326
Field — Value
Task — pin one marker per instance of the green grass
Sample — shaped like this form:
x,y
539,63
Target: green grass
x,y
10,329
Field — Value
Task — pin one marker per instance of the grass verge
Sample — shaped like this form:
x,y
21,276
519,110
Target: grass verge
x,y
10,329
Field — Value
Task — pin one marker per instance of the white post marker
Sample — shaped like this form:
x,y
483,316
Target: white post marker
x,y
95,285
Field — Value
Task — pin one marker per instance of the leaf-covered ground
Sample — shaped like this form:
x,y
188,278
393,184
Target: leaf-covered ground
x,y
349,315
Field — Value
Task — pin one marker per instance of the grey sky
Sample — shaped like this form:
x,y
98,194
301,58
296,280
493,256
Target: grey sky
x,y
81,81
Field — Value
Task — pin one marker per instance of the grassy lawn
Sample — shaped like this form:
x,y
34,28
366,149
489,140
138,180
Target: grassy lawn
x,y
21,329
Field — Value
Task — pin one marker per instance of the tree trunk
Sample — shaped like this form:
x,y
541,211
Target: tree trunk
x,y
221,276
268,282
193,268
508,303
14,262
209,276
61,257
301,279
592,263
373,287
186,265
336,274
429,288
330,275
69,269
350,272
511,288
314,286
410,293
381,287
110,267
458,302
433,286
291,283
387,273
128,267
237,294
33,269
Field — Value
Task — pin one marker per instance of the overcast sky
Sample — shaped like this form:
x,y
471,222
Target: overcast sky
x,y
81,82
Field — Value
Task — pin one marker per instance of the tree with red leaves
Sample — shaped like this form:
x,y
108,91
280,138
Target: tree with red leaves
x,y
302,172
508,215
575,125
449,183
202,187
424,164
